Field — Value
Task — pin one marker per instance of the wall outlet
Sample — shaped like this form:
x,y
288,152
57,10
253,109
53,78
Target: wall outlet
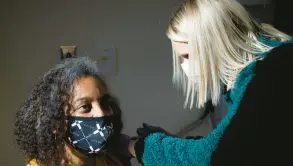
x,y
67,51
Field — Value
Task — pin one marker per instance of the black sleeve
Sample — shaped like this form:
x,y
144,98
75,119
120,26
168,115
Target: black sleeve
x,y
194,137
260,132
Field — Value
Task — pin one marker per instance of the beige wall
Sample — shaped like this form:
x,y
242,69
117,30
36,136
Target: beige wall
x,y
32,31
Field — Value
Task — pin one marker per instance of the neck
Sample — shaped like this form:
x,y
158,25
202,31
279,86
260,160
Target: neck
x,y
78,159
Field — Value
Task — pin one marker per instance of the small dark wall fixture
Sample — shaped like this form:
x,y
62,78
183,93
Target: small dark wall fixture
x,y
67,52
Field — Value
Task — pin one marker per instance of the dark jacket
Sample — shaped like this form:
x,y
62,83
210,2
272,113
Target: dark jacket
x,y
256,129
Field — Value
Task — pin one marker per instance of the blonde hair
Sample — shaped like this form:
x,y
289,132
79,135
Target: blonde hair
x,y
223,39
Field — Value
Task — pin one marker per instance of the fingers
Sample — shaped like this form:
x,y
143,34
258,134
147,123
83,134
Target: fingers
x,y
149,127
145,125
142,132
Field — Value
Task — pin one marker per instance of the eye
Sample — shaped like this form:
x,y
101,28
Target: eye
x,y
185,56
85,108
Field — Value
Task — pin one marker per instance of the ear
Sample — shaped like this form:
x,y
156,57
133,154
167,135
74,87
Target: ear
x,y
67,108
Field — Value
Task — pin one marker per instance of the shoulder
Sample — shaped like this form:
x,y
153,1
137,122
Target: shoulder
x,y
32,163
119,150
263,110
275,69
272,74
113,159
277,59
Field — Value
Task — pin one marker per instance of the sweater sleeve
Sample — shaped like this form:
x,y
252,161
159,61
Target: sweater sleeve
x,y
159,149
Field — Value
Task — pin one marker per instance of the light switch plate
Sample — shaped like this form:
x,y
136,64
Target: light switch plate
x,y
67,51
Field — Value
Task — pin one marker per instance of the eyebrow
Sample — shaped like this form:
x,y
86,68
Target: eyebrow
x,y
81,100
185,42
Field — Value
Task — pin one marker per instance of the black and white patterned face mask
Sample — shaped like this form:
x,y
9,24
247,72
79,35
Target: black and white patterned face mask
x,y
89,135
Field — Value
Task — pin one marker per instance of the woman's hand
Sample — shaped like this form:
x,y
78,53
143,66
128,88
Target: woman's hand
x,y
136,145
148,129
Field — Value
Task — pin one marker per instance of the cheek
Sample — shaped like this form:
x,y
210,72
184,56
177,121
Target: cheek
x,y
184,49
109,113
181,48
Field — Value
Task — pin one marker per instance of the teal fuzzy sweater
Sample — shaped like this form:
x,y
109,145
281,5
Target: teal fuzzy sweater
x,y
163,150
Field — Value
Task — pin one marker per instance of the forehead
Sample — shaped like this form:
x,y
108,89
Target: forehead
x,y
88,87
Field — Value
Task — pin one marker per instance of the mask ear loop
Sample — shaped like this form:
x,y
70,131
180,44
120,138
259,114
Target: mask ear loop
x,y
67,113
55,135
112,125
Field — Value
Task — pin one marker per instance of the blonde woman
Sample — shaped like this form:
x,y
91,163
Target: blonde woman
x,y
71,118
219,48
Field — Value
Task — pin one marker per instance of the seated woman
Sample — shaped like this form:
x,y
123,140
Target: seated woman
x,y
70,118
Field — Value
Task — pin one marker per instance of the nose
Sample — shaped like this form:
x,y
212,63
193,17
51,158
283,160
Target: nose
x,y
97,110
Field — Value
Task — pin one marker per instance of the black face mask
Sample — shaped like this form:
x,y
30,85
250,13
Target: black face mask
x,y
90,135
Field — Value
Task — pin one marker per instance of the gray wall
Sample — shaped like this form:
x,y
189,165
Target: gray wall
x,y
32,31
